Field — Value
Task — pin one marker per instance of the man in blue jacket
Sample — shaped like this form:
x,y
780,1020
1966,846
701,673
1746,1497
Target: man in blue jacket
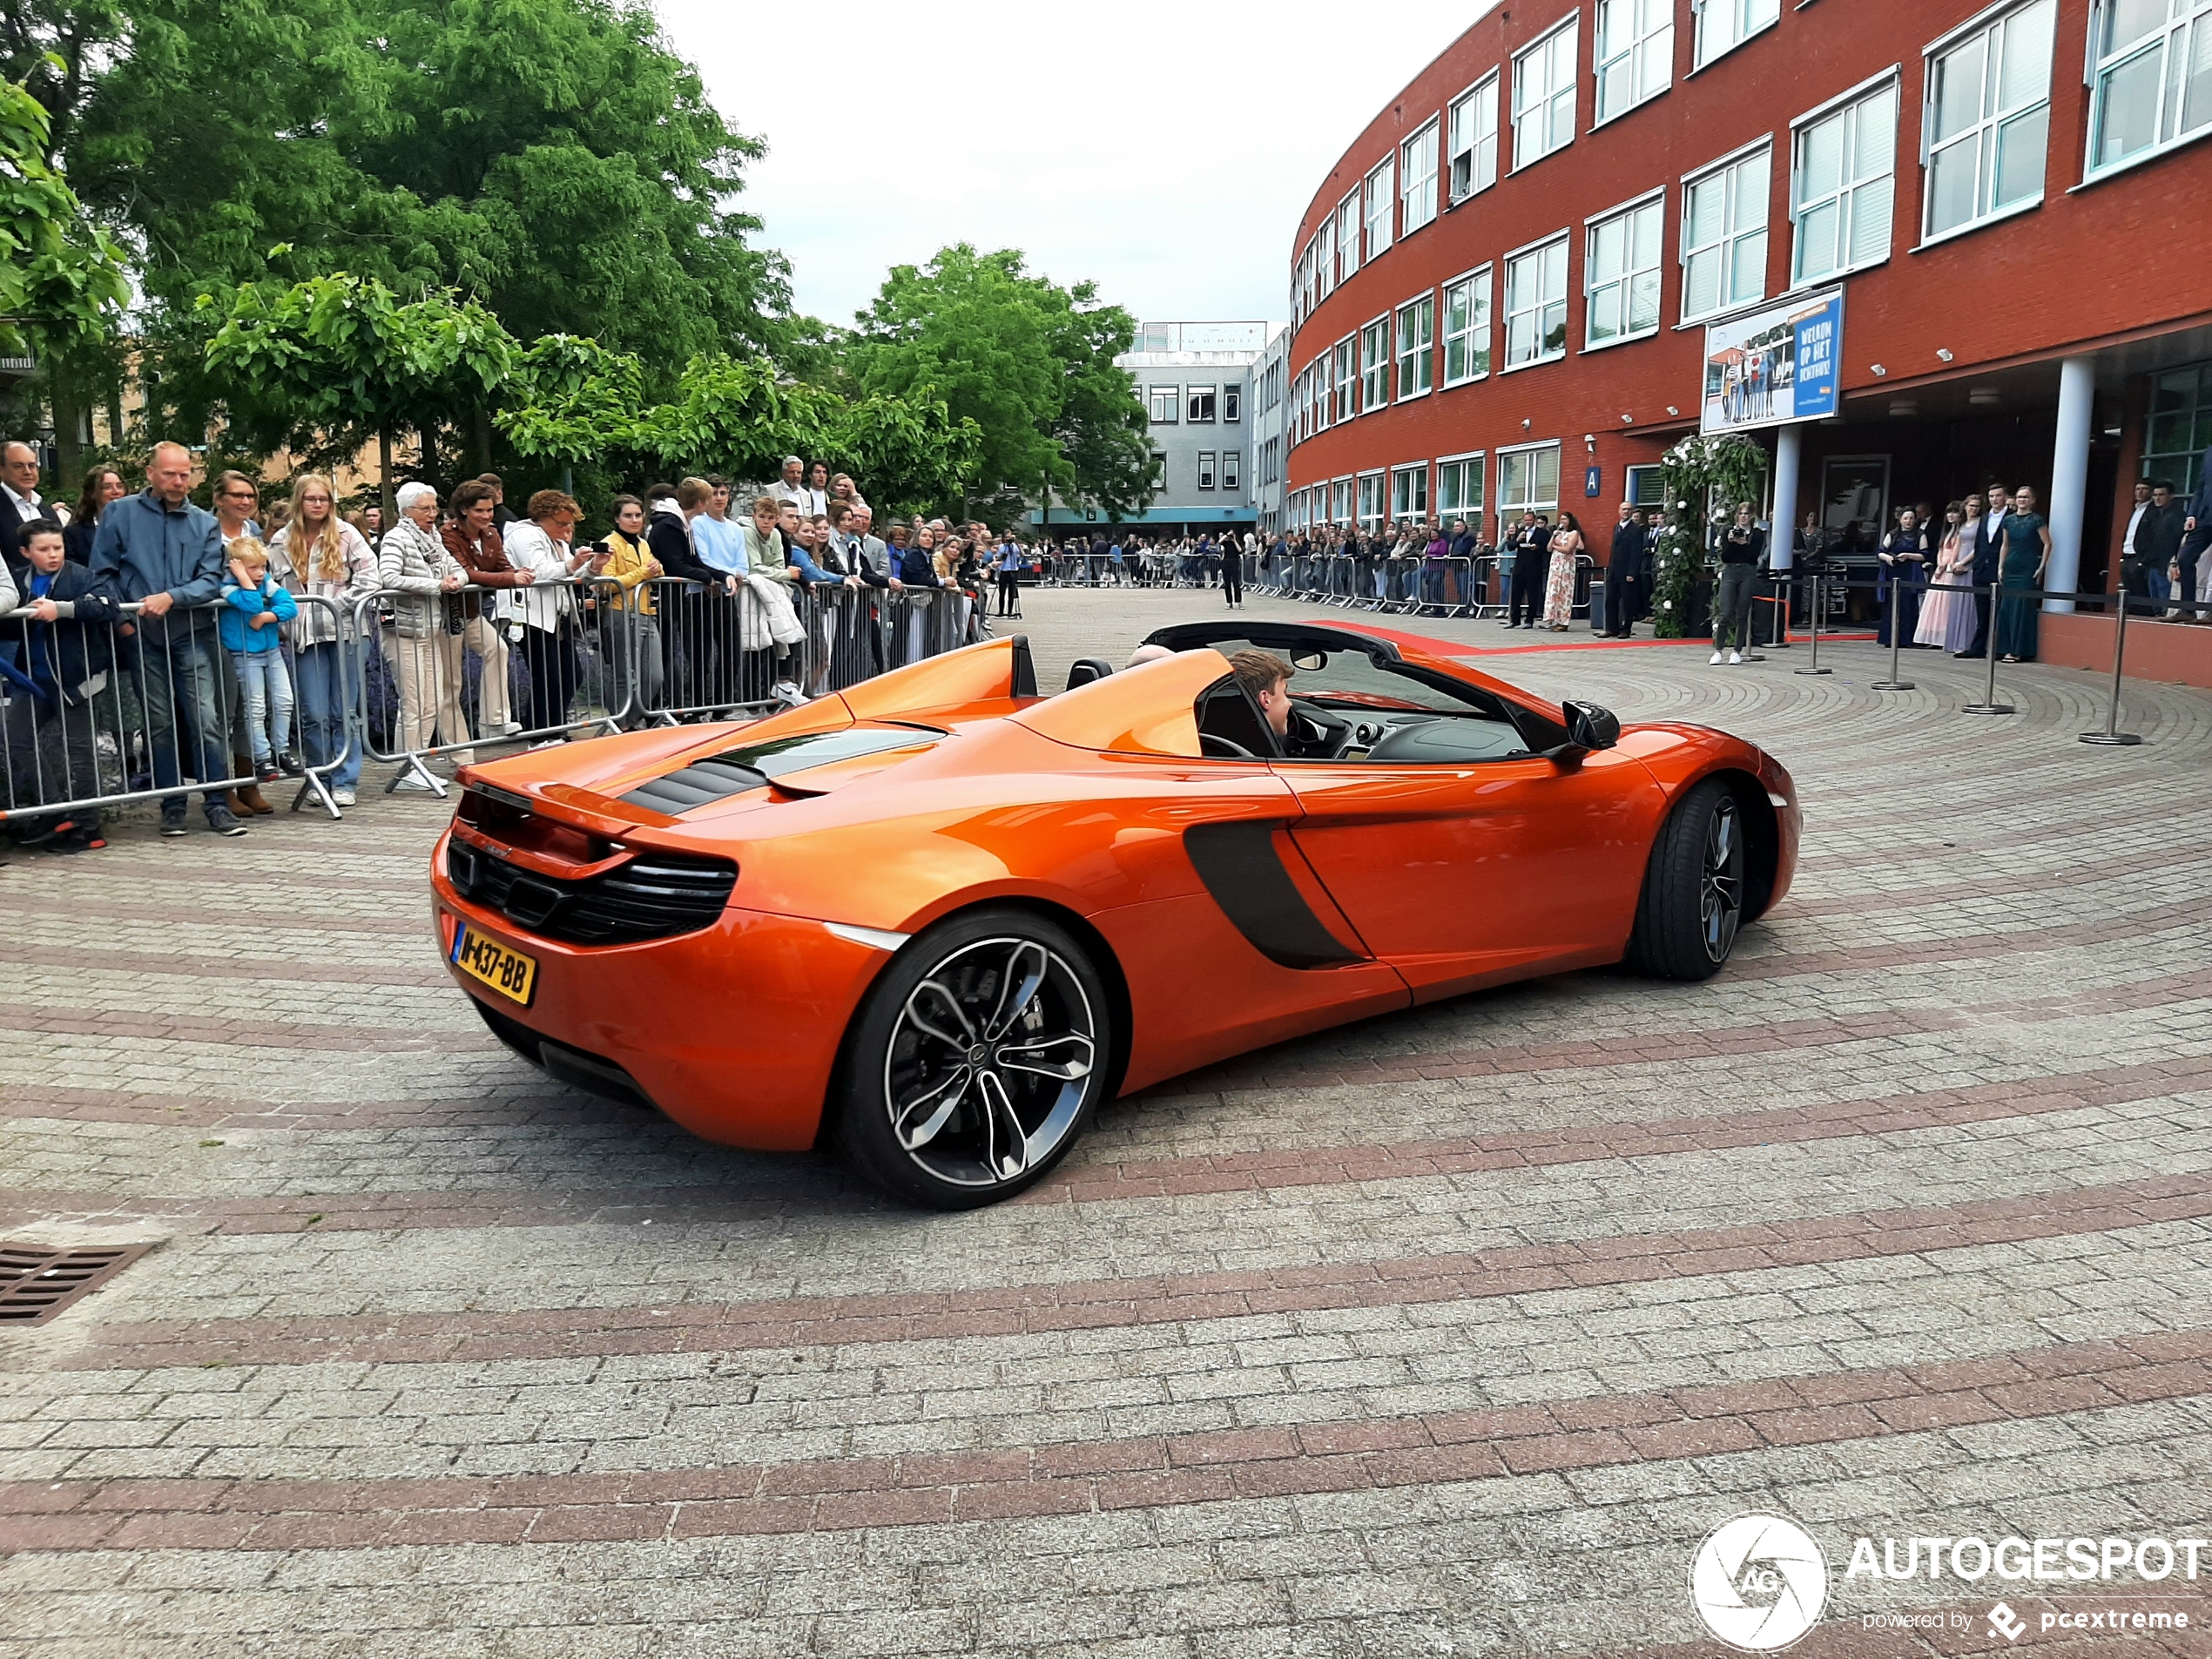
x,y
159,551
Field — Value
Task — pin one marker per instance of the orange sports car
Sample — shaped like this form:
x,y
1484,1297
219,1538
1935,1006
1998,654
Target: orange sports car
x,y
938,918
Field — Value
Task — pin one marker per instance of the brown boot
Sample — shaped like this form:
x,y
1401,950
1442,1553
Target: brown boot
x,y
246,797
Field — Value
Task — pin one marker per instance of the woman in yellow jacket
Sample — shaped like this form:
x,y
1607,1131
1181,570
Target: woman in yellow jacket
x,y
634,637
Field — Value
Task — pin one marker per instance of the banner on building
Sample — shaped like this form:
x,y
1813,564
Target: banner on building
x,y
1776,365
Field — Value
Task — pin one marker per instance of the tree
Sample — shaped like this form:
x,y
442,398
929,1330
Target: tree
x,y
327,359
61,278
549,158
1029,363
908,455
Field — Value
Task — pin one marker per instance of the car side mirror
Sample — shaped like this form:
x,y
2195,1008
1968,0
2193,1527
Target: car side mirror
x,y
1589,727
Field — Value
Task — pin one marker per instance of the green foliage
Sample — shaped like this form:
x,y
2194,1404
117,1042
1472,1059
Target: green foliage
x,y
572,400
1702,478
908,455
1028,362
549,158
61,278
331,359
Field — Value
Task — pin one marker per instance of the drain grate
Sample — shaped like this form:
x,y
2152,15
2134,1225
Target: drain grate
x,y
37,1281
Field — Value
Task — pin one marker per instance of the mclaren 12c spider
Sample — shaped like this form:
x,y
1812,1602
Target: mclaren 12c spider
x,y
938,918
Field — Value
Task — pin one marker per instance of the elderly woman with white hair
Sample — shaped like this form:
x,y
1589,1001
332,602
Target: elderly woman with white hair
x,y
426,626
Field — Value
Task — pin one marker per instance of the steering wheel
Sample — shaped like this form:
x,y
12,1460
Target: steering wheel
x,y
1223,748
1316,734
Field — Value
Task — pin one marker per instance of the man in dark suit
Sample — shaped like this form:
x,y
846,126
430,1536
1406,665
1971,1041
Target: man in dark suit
x,y
1531,565
1980,533
1625,597
20,504
2157,546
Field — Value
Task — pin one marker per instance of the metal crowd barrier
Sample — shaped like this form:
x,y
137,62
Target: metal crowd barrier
x,y
121,707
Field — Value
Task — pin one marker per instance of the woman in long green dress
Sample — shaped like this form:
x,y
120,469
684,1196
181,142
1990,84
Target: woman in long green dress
x,y
2027,553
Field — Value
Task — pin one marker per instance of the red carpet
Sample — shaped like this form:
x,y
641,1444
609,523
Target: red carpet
x,y
1576,641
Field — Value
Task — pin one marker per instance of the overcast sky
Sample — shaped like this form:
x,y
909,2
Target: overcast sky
x,y
1163,147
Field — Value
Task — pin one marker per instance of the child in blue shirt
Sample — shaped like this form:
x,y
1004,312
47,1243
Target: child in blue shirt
x,y
255,608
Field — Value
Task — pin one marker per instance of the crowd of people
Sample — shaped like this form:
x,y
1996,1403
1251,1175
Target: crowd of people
x,y
154,646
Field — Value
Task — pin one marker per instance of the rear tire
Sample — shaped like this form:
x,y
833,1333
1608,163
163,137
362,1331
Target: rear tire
x,y
1692,904
976,1061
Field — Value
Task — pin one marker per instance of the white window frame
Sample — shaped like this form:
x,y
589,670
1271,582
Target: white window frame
x,y
1417,179
2182,34
1478,282
1420,312
1205,469
1324,256
1232,468
1191,393
1851,190
1232,404
1730,241
1374,369
1174,395
1558,47
1348,225
1408,470
1651,208
1378,498
1510,453
1479,101
1381,188
1985,133
1340,499
1472,466
1747,21
1561,242
1642,50
1344,360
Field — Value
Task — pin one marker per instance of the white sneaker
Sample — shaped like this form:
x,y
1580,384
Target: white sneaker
x,y
550,743
510,728
343,797
1715,658
1734,657
788,694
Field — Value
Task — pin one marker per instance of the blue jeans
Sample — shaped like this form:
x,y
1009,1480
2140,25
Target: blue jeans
x,y
326,723
2161,589
266,684
188,718
1431,581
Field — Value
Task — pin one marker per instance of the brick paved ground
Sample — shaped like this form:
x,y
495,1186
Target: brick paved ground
x,y
1449,1333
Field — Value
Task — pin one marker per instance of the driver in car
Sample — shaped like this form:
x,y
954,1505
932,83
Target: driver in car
x,y
1267,678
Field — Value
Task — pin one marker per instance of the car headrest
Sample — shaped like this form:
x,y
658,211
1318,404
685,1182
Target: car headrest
x,y
1084,669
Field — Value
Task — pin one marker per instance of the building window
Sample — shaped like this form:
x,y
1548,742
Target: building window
x,y
1159,472
1381,200
1417,347
1325,257
1374,365
1843,185
1232,464
1205,469
1537,304
1233,403
1371,500
1723,237
1529,479
1164,399
1341,501
1475,139
1636,53
1646,488
1988,120
1543,94
1467,328
1409,491
1417,169
1348,234
2152,65
2181,427
1346,378
1199,404
1621,275
1459,490
1722,24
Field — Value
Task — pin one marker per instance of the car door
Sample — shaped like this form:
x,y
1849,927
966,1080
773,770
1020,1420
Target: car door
x,y
1465,875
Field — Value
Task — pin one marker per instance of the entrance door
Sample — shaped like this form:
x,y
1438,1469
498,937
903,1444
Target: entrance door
x,y
1854,506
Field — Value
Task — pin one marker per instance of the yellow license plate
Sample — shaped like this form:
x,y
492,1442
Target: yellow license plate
x,y
508,972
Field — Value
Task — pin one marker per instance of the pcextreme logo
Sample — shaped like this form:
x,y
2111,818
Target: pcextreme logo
x,y
1759,1582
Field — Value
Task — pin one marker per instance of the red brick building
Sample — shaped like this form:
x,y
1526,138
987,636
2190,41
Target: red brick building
x,y
1501,294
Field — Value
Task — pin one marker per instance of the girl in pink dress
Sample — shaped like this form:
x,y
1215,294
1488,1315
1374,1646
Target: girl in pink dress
x,y
1948,620
1559,582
